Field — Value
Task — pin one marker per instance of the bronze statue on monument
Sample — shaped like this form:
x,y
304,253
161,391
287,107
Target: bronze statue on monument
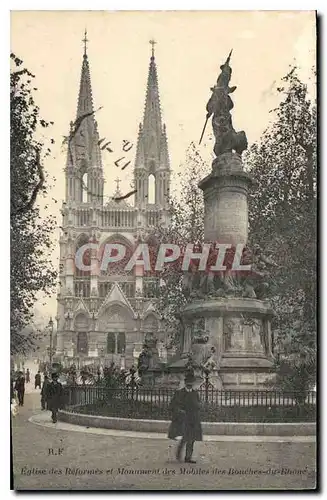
x,y
219,107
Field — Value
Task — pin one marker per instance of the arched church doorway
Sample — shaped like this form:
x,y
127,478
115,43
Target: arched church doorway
x,y
82,343
117,324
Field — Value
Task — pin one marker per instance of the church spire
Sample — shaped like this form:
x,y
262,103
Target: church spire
x,y
84,155
152,141
152,149
85,100
152,113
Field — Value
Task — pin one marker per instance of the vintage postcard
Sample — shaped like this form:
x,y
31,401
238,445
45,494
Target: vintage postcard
x,y
163,250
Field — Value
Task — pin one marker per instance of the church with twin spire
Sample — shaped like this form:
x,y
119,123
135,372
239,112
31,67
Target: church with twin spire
x,y
106,315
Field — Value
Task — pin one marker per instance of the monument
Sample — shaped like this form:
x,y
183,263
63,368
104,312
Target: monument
x,y
149,365
227,321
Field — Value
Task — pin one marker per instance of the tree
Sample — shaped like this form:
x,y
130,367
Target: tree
x,y
31,267
186,226
282,215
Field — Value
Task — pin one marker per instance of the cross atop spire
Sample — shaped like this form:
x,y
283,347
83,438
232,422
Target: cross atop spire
x,y
117,182
152,42
117,192
85,40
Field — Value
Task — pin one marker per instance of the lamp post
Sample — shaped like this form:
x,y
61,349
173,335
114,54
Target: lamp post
x,y
51,335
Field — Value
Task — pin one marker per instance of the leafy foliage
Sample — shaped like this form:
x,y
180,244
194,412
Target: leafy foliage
x,y
186,226
31,267
282,214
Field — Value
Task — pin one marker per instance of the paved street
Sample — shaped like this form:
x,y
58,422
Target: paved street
x,y
116,462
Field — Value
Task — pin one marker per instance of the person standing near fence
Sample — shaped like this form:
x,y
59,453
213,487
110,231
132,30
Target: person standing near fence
x,y
55,396
20,388
185,407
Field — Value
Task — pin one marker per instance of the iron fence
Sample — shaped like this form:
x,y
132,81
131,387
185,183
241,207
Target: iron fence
x,y
154,403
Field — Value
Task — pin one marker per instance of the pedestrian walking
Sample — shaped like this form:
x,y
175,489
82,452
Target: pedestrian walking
x,y
27,376
55,396
20,388
13,396
44,392
38,380
185,407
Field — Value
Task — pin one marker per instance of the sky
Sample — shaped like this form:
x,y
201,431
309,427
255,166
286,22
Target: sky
x,y
191,45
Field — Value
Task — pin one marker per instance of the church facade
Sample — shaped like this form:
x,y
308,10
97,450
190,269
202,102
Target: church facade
x,y
105,315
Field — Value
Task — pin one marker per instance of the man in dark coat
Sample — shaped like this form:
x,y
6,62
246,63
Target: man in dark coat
x,y
44,392
27,376
55,396
12,387
38,380
185,407
20,388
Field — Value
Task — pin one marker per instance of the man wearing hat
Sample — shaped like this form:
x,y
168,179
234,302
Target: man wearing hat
x,y
185,407
54,396
20,388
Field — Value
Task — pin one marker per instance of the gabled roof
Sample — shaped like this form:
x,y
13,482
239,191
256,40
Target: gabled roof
x,y
150,309
81,307
116,205
115,296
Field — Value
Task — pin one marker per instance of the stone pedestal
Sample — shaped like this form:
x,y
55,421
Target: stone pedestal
x,y
225,192
238,329
239,332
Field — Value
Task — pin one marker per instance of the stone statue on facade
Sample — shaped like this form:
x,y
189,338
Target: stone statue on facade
x,y
68,320
219,107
